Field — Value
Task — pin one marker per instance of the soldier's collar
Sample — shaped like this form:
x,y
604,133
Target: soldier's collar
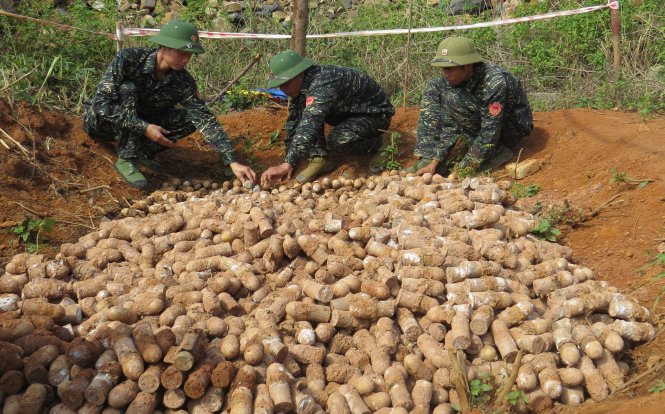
x,y
476,76
151,62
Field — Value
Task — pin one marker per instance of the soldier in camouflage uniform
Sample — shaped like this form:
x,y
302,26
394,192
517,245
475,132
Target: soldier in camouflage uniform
x,y
477,105
147,101
352,102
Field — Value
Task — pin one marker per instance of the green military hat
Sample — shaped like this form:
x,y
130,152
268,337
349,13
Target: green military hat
x,y
287,65
179,35
455,51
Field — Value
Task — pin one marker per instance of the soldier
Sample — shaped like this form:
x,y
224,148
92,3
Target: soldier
x,y
476,104
147,101
349,100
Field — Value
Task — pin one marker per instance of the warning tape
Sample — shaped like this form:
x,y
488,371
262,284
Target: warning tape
x,y
231,35
120,33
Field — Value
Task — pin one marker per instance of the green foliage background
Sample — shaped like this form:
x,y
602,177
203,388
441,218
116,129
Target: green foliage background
x,y
564,62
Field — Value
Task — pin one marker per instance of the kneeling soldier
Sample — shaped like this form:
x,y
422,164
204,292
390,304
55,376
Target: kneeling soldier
x,y
476,104
147,101
349,100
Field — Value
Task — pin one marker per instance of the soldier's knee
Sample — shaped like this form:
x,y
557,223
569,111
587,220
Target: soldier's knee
x,y
127,89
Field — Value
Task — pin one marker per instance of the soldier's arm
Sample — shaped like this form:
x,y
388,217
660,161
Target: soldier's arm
x,y
108,90
436,132
320,98
491,119
206,122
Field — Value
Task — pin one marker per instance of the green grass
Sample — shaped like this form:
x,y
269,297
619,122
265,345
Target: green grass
x,y
520,190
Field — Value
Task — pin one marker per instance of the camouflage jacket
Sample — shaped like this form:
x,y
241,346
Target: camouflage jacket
x,y
476,110
177,88
328,95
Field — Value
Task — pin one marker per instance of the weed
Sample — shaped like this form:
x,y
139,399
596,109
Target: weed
x,y
520,190
537,208
659,296
389,153
249,151
463,172
516,396
657,387
545,230
29,232
479,390
659,261
621,177
273,139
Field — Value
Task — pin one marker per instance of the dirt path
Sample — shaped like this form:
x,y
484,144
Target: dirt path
x,y
59,172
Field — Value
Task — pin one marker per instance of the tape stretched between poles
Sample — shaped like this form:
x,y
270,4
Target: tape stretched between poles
x,y
231,35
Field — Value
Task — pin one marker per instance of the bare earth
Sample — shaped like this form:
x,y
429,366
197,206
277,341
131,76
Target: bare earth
x,y
616,227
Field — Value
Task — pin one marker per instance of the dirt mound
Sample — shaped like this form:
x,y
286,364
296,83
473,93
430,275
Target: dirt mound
x,y
50,168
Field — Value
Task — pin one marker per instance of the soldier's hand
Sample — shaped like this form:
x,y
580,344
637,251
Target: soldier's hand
x,y
276,173
157,134
429,168
243,172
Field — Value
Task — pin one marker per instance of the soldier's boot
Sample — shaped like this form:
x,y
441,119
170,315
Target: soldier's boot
x,y
130,173
423,162
378,162
502,155
150,163
316,167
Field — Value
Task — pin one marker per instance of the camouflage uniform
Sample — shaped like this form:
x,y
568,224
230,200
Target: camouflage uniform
x,y
345,98
489,110
129,97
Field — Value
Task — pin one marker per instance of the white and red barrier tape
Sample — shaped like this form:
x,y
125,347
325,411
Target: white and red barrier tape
x,y
231,35
120,33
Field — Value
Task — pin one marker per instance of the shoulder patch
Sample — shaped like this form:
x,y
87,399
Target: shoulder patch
x,y
309,101
495,108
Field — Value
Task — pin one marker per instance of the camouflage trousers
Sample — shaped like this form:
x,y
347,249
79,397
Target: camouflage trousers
x,y
113,125
465,120
355,135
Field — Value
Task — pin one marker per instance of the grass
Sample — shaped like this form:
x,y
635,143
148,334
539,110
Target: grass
x,y
563,62
520,190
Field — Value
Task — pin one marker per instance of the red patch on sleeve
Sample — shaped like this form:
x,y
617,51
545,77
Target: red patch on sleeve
x,y
495,108
309,100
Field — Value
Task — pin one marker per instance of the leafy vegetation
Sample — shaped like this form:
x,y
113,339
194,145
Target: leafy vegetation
x,y
545,230
657,387
479,390
520,190
621,177
564,62
516,396
390,153
29,232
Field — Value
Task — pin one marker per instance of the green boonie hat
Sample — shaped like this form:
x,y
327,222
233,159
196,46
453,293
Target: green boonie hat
x,y
455,51
287,65
179,35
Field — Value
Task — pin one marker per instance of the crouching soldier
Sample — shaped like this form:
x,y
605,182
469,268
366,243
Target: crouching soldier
x,y
349,100
147,101
475,104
